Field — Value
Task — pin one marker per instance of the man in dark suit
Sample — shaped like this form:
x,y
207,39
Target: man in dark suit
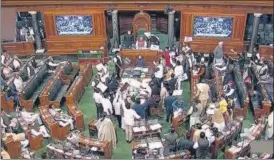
x,y
186,144
170,141
168,101
172,83
202,147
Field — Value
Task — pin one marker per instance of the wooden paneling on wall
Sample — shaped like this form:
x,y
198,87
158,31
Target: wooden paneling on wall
x,y
236,41
71,44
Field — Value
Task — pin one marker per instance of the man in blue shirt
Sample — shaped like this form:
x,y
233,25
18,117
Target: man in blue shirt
x,y
168,101
178,104
140,109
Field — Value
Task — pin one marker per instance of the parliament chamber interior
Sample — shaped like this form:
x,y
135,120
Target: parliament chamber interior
x,y
136,79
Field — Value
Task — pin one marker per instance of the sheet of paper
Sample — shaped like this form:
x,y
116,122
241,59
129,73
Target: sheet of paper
x,y
135,83
102,86
94,148
154,47
154,145
137,68
177,92
144,69
155,126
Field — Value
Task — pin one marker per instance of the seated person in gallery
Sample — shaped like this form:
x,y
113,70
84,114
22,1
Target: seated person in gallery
x,y
16,63
29,37
7,120
141,43
51,64
151,39
140,62
61,118
20,137
30,117
18,83
128,40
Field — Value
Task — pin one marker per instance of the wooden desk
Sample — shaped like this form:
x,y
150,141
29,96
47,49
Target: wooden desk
x,y
266,52
185,155
103,146
148,133
13,148
75,91
19,48
7,105
77,115
148,55
86,72
177,121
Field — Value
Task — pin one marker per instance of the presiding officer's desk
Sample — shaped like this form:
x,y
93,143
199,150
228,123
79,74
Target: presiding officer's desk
x,y
133,54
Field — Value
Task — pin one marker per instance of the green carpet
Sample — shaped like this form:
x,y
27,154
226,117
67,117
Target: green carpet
x,y
123,149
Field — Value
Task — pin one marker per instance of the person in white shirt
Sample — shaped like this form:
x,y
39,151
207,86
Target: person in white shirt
x,y
16,63
98,102
129,116
119,105
62,119
269,132
104,74
18,83
7,72
146,89
30,70
41,130
30,117
179,71
106,104
160,70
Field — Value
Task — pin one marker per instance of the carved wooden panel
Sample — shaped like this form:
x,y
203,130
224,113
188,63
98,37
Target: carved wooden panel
x,y
141,20
266,52
199,44
71,44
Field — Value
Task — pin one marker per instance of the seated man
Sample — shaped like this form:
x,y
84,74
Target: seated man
x,y
16,63
7,121
152,40
30,117
218,118
20,137
5,57
186,144
7,72
38,129
61,118
30,70
140,62
11,94
18,83
141,43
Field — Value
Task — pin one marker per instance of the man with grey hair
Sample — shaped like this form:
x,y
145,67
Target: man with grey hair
x,y
218,53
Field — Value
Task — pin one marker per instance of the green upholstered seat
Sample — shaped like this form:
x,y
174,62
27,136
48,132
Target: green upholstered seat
x,y
62,92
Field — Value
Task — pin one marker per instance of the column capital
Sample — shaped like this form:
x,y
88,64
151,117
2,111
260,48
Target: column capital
x,y
257,14
114,12
171,12
32,12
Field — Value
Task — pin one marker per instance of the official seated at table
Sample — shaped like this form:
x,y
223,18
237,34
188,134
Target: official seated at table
x,y
151,39
140,62
141,43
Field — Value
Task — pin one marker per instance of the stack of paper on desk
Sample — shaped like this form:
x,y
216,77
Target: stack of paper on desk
x,y
142,145
139,129
155,126
134,83
177,92
154,145
234,149
94,148
144,69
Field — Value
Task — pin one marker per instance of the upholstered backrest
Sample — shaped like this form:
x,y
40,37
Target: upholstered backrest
x,y
68,68
54,89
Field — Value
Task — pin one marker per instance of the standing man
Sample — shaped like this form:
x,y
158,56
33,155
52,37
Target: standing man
x,y
129,116
98,102
168,101
128,40
202,147
118,64
218,53
202,93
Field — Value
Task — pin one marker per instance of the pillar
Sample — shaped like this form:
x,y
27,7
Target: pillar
x,y
254,35
115,29
37,37
171,28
